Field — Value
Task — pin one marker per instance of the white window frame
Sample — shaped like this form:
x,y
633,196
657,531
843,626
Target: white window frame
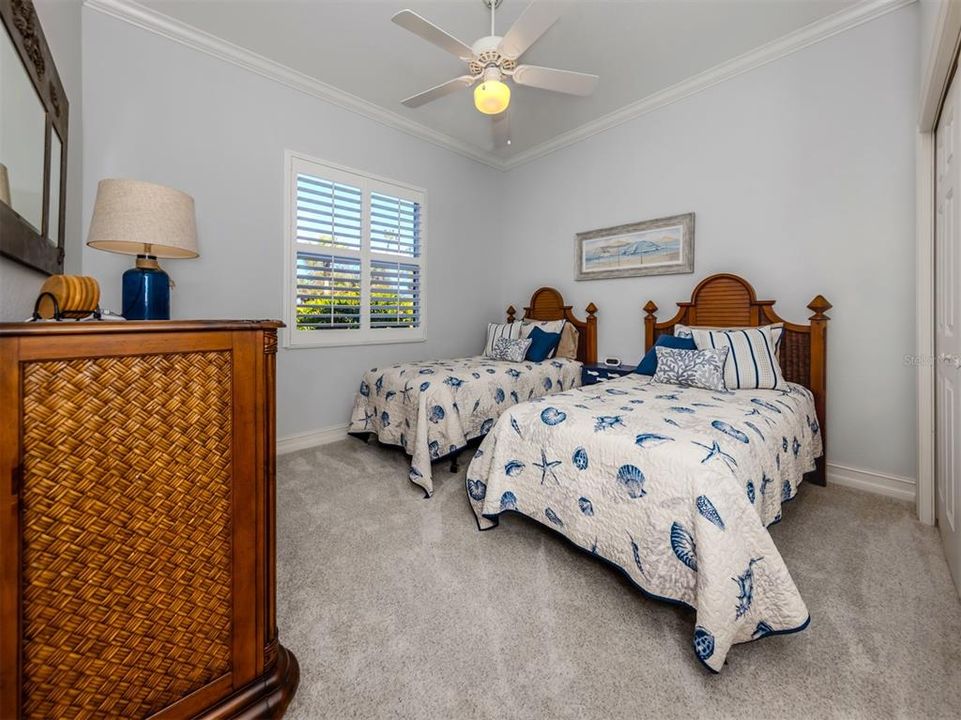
x,y
294,163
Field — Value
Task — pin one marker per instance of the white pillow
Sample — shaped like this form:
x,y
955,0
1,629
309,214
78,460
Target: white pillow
x,y
548,326
777,332
511,331
751,359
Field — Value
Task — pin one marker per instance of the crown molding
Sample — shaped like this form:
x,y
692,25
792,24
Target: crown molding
x,y
165,26
196,39
801,38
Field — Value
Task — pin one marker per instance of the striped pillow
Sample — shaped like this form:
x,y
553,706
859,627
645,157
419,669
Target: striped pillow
x,y
511,331
777,332
751,360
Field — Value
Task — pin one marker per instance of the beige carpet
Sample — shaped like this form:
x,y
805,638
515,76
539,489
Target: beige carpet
x,y
397,607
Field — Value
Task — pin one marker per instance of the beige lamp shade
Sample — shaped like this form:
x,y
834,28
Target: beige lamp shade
x,y
4,185
134,217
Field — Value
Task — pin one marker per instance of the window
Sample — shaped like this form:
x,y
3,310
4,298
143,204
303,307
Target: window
x,y
355,265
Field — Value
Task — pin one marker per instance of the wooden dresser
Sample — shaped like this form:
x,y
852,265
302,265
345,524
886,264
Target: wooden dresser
x,y
137,528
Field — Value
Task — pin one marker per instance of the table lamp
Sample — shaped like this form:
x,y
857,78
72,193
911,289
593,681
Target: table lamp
x,y
150,221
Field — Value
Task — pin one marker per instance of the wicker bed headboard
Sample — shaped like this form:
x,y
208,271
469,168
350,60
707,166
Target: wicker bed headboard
x,y
548,304
727,300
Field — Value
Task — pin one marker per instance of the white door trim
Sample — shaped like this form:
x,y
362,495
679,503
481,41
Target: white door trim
x,y
938,66
925,325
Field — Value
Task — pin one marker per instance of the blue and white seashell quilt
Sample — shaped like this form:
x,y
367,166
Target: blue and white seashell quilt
x,y
433,408
676,486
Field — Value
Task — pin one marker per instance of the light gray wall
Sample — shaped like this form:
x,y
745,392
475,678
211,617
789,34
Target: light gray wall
x,y
928,11
19,285
801,174
158,111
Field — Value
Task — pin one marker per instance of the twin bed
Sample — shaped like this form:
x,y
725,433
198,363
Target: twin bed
x,y
433,409
674,485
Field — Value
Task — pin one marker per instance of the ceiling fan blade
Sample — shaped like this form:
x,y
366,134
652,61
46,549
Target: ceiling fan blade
x,y
533,22
564,81
439,91
501,127
409,20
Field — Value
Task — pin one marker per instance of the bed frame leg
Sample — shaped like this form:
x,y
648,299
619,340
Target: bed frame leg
x,y
819,476
454,467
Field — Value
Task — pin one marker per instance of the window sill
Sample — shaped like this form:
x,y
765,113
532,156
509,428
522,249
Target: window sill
x,y
345,342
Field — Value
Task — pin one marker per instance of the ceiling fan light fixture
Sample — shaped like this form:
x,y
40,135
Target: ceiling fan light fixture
x,y
492,97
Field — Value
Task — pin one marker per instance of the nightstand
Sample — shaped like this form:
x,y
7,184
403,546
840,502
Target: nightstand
x,y
591,374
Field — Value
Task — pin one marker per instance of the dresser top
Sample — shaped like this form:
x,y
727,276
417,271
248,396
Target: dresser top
x,y
95,327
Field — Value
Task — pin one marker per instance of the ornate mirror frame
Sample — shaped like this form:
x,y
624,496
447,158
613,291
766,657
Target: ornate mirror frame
x,y
19,240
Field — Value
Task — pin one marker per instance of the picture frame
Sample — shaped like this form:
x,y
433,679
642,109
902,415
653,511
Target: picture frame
x,y
664,246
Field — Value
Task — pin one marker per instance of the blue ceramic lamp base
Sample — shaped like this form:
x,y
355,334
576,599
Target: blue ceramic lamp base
x,y
146,291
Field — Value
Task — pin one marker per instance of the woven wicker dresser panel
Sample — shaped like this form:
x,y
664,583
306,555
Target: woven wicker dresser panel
x,y
126,514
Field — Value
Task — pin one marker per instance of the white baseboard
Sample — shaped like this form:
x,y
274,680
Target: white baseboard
x,y
871,481
302,441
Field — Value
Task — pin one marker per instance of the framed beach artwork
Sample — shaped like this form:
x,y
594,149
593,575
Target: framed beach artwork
x,y
654,247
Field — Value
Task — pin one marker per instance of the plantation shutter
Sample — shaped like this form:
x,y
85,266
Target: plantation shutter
x,y
394,294
328,292
394,225
394,284
329,215
357,245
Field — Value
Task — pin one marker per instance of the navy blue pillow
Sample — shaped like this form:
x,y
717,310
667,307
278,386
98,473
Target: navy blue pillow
x,y
648,364
541,344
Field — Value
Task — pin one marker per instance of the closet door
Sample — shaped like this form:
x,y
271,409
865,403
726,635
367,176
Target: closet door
x,y
947,333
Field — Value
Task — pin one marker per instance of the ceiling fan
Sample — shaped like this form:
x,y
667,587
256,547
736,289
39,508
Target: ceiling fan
x,y
493,59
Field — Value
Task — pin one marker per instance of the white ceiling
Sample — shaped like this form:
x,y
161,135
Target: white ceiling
x,y
638,47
